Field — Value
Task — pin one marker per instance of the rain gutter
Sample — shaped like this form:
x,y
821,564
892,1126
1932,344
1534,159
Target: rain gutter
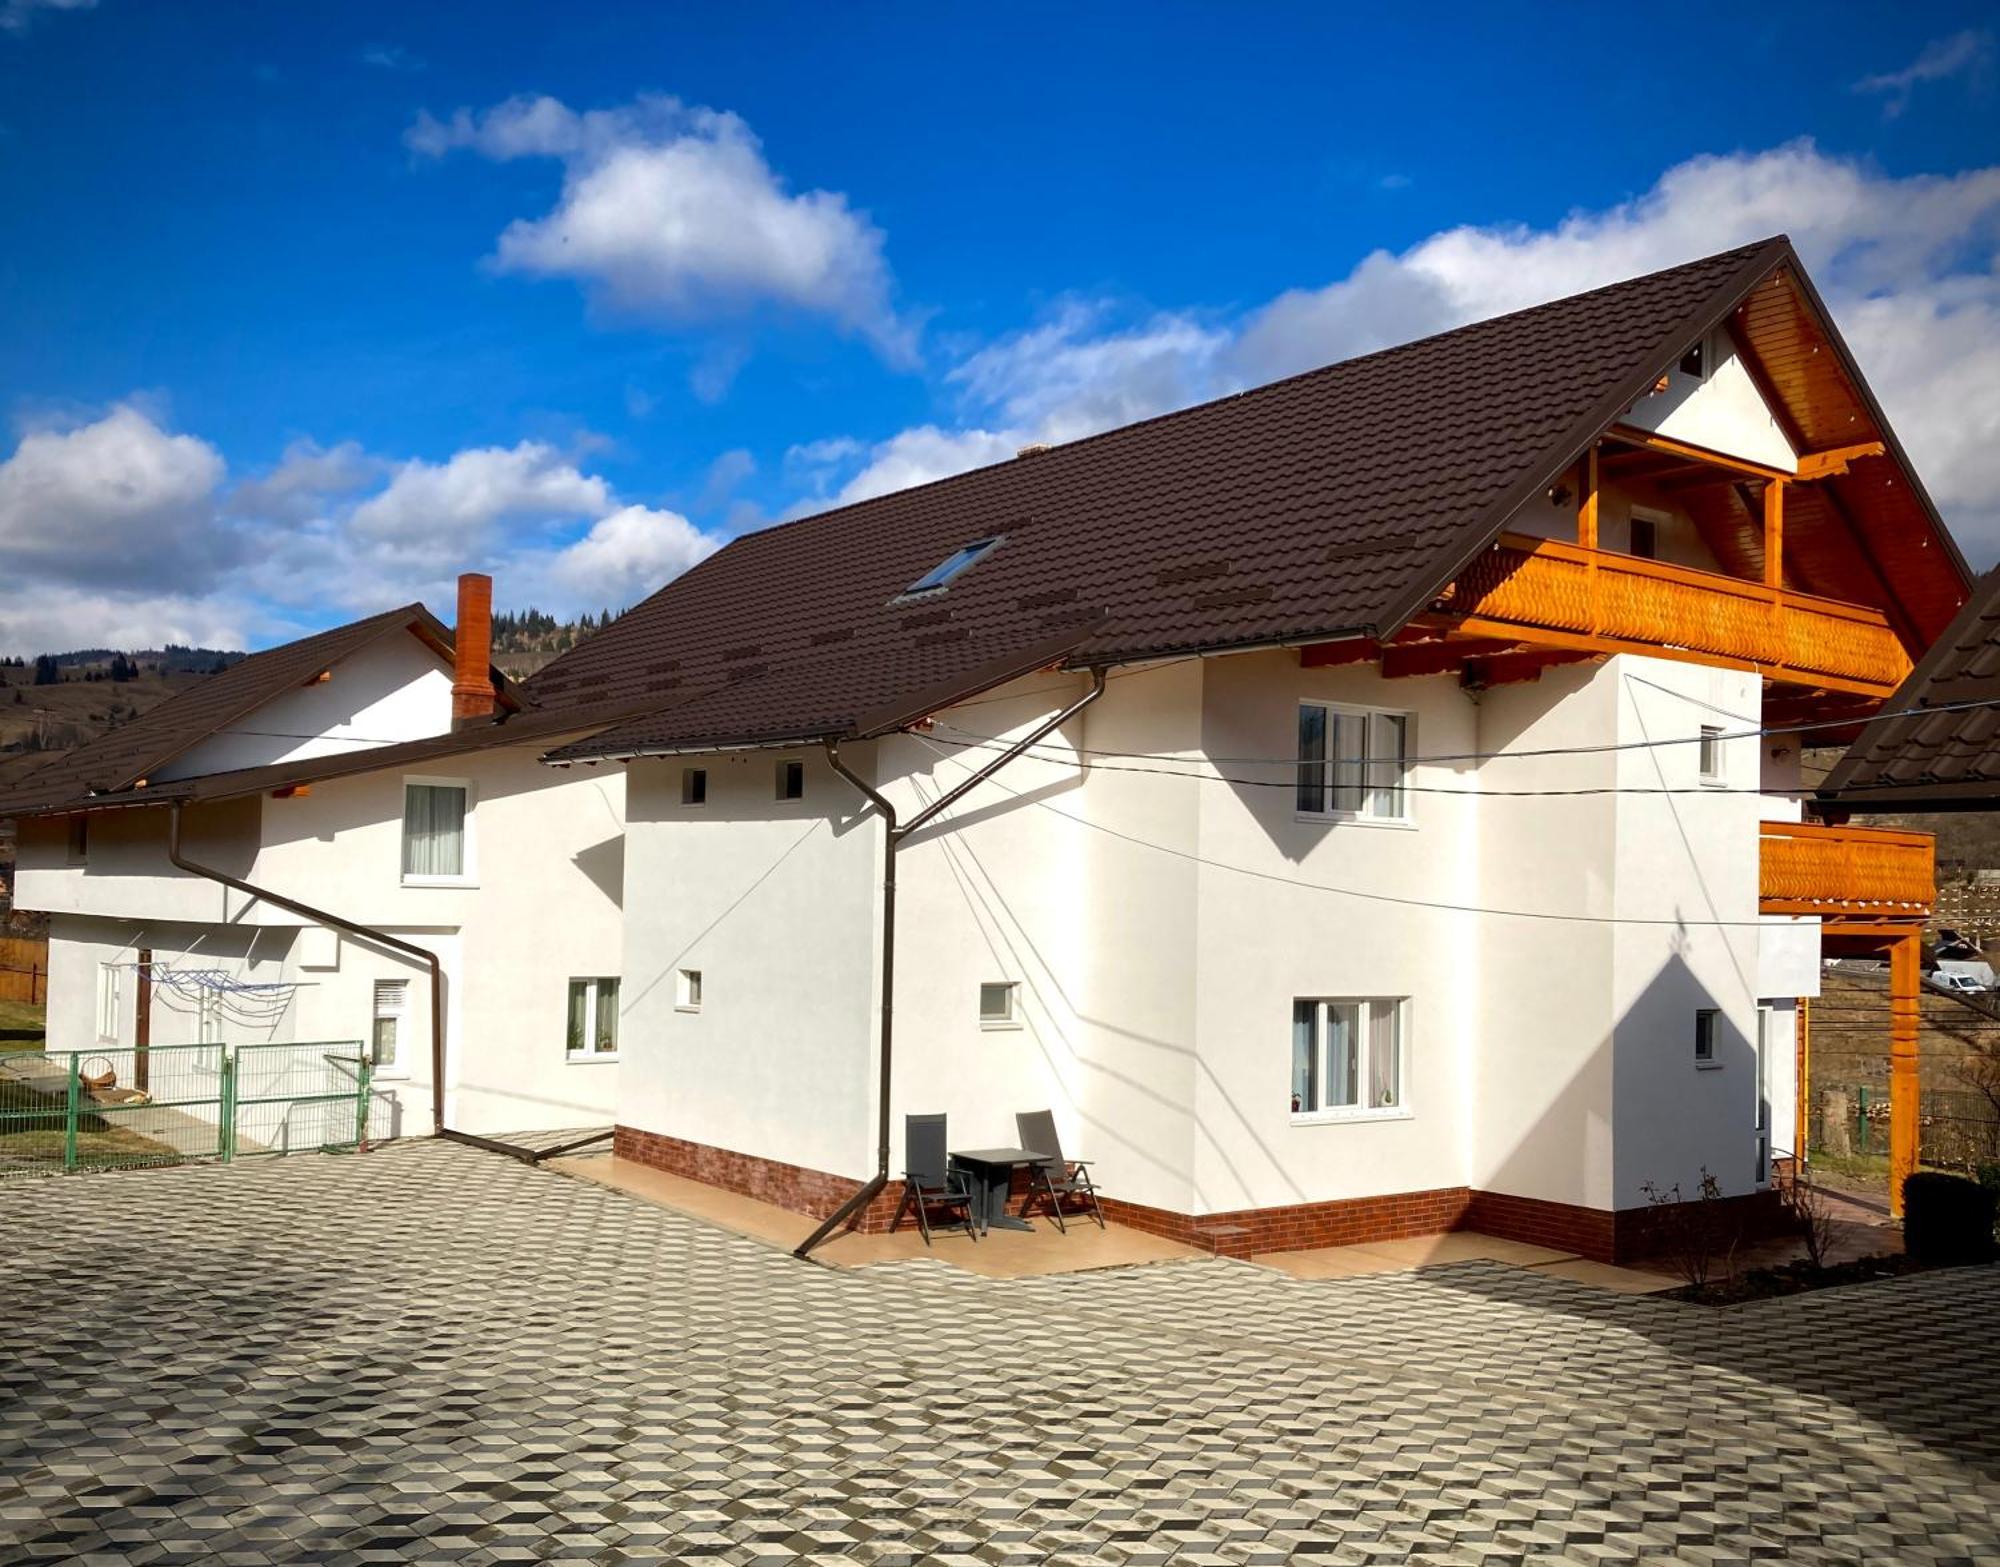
x,y
894,834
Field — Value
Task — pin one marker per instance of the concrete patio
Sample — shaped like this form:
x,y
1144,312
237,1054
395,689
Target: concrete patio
x,y
433,1354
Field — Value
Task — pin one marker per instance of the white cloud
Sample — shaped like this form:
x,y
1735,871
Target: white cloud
x,y
118,532
17,15
1907,266
116,502
453,504
624,557
670,210
1939,60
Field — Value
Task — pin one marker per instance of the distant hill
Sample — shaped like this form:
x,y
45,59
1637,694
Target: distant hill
x,y
524,640
56,702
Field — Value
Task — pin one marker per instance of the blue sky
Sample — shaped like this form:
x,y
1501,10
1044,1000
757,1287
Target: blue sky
x,y
303,309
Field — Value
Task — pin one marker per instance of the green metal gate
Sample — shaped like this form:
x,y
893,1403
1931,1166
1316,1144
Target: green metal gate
x,y
120,1107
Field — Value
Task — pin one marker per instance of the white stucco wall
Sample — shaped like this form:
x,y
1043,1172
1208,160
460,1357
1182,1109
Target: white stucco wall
x,y
392,690
775,903
1723,410
1160,908
544,907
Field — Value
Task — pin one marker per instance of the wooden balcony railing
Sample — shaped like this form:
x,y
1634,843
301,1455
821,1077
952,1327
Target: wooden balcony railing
x,y
1547,591
1805,868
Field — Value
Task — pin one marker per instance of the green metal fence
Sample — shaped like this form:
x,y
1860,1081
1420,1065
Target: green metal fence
x,y
120,1107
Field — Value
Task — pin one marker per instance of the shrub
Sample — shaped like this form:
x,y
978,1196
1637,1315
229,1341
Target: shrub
x,y
1947,1218
1696,1236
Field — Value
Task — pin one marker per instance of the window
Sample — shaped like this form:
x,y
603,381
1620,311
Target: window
x,y
1710,749
694,786
1347,1057
1353,763
1645,536
997,1001
79,840
110,992
687,990
1694,362
392,1000
434,847
939,576
593,1020
1707,1022
791,780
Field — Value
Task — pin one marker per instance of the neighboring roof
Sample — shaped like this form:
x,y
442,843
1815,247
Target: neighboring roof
x,y
1335,503
113,762
1947,759
27,797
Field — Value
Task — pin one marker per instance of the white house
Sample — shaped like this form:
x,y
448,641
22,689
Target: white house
x,y
1364,806
1397,859
347,773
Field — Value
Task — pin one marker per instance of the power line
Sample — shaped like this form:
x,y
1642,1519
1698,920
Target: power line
x,y
1391,899
1762,732
1400,787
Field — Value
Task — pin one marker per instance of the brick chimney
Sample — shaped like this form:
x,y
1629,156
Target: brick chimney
x,y
472,696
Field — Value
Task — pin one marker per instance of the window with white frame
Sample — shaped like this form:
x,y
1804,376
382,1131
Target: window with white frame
x,y
999,1001
392,1001
435,830
593,1019
110,994
1348,1056
1353,763
1709,753
687,990
1707,1025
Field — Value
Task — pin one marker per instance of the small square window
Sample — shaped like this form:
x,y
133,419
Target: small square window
x,y
1694,363
1711,754
79,840
694,786
791,780
687,990
1645,544
997,1004
1707,1021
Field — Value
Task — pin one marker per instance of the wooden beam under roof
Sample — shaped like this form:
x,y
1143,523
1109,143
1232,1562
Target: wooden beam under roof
x,y
1835,460
1441,657
1649,441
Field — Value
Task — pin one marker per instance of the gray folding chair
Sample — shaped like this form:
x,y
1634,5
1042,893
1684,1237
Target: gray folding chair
x,y
1054,1178
929,1181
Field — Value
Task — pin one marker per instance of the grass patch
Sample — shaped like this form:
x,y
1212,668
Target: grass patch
x,y
32,1112
23,1025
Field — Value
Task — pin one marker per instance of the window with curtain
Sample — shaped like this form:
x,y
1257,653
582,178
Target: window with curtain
x,y
433,829
593,1019
1347,1055
1353,762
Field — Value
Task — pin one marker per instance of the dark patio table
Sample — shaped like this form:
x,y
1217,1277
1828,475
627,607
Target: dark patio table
x,y
990,1173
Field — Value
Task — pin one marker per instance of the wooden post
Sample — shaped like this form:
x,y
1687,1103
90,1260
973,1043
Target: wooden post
x,y
1586,510
142,1029
1774,533
1905,981
1802,1088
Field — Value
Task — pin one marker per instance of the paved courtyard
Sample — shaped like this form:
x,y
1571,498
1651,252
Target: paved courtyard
x,y
430,1354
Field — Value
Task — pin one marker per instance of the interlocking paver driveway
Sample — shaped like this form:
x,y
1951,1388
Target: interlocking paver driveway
x,y
433,1354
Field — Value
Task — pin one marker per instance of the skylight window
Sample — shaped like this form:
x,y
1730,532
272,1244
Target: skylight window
x,y
939,577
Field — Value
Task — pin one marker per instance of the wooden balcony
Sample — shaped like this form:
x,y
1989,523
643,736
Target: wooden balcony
x,y
1844,874
1549,593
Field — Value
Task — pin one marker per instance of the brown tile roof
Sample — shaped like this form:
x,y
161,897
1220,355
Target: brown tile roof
x,y
1908,759
113,762
1336,502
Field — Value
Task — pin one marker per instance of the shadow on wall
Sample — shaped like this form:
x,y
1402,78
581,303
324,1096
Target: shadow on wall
x,y
1680,1113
